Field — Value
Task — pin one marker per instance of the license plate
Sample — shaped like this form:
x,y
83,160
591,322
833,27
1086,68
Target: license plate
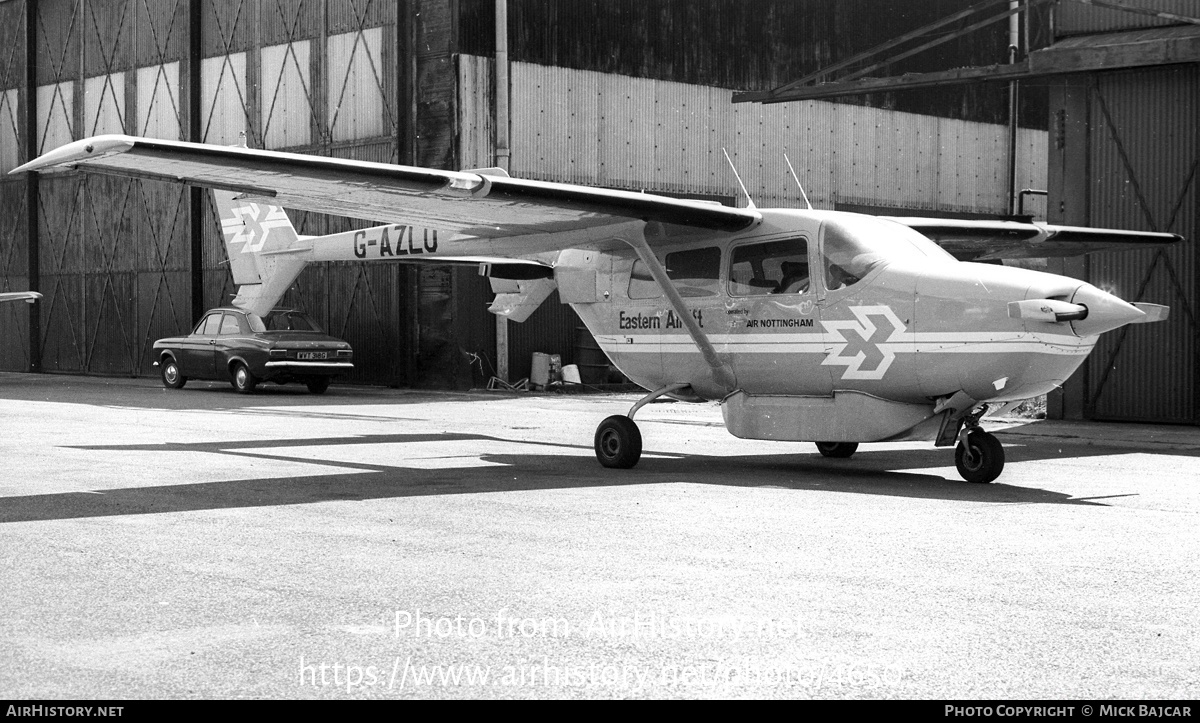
x,y
310,355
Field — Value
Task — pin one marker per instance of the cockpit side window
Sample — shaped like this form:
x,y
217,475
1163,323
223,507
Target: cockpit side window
x,y
774,267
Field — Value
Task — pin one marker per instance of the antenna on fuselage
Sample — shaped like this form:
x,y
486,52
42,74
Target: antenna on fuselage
x,y
802,193
739,179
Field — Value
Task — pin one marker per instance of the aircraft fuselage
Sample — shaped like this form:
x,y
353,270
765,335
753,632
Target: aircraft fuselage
x,y
899,334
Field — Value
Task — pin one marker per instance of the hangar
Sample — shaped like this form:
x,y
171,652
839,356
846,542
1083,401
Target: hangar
x,y
606,94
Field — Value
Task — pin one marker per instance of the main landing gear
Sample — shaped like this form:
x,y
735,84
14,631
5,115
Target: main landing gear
x,y
618,440
979,456
837,449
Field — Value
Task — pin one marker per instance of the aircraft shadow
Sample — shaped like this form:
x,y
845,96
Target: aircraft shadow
x,y
870,473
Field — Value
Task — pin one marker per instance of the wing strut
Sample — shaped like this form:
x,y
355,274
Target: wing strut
x,y
722,373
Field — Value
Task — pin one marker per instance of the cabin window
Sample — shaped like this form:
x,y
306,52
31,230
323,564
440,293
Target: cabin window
x,y
774,267
641,284
696,272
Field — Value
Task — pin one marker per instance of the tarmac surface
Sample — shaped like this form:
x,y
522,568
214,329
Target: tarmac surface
x,y
375,543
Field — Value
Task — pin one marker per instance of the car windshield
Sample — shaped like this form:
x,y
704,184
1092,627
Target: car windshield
x,y
283,321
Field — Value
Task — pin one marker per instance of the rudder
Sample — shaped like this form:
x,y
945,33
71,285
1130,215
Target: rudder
x,y
264,250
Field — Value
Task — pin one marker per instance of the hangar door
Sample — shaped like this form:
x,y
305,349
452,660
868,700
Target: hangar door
x,y
1144,150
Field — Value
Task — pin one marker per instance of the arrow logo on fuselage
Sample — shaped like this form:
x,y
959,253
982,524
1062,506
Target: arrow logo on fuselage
x,y
862,346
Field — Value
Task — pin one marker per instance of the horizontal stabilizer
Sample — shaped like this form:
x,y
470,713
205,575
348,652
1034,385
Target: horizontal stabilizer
x,y
516,300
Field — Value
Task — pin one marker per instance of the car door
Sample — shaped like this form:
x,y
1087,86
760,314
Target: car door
x,y
195,356
230,340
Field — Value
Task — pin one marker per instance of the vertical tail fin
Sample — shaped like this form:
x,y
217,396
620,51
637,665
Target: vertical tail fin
x,y
264,251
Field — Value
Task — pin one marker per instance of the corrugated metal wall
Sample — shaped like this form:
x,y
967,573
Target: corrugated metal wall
x,y
14,258
1144,153
610,130
113,253
1074,18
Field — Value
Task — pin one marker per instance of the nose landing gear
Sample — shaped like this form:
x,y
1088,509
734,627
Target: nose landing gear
x,y
979,456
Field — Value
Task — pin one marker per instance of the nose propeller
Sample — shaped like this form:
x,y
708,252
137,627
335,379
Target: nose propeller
x,y
1105,312
1090,311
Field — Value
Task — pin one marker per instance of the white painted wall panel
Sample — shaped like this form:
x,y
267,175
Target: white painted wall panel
x,y
356,85
223,98
286,108
55,111
158,114
104,104
10,115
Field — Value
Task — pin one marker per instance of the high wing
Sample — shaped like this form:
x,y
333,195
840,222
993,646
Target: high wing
x,y
472,204
970,240
29,296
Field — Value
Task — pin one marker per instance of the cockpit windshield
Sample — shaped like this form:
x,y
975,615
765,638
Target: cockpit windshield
x,y
854,245
859,243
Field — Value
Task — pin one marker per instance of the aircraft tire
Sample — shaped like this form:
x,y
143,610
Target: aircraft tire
x,y
618,442
987,454
837,449
243,381
171,378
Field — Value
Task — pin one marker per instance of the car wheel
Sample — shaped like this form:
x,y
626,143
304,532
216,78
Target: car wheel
x,y
171,377
318,385
243,381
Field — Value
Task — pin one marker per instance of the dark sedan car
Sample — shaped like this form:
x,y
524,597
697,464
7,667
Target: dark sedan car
x,y
286,346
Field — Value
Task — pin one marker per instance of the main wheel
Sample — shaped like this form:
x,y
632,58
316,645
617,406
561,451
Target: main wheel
x,y
981,458
318,385
171,378
837,449
618,442
243,381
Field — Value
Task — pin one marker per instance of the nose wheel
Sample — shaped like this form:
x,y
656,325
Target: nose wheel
x,y
979,456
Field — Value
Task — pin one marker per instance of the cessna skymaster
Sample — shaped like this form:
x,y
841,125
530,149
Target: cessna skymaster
x,y
807,325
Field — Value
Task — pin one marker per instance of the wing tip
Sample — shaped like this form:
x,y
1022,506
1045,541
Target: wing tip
x,y
78,152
